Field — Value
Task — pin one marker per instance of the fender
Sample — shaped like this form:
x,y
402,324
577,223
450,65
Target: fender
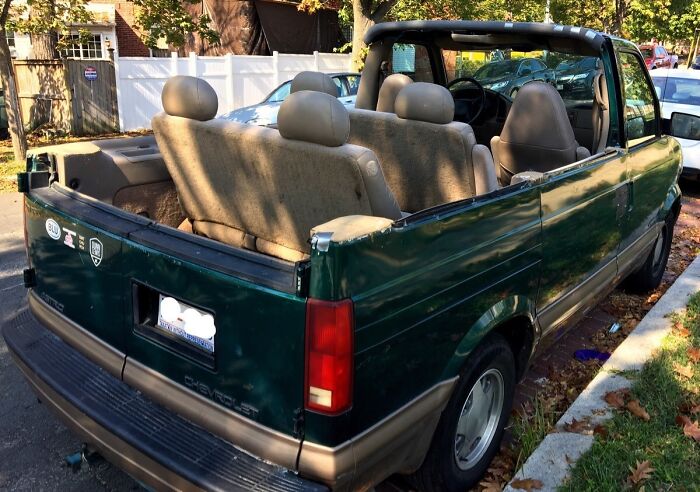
x,y
500,313
673,196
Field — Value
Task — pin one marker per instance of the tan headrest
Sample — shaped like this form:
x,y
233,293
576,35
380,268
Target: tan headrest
x,y
390,88
425,102
314,117
189,97
314,81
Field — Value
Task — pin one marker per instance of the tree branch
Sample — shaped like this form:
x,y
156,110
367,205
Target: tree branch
x,y
5,12
382,9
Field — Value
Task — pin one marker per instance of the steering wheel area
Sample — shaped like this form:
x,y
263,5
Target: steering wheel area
x,y
469,96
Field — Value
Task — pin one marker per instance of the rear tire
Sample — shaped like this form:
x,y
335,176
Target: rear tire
x,y
463,446
649,275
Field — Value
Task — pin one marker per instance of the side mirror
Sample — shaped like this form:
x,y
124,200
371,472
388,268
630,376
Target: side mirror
x,y
685,126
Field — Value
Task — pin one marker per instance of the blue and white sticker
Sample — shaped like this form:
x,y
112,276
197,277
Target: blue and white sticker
x,y
96,249
53,229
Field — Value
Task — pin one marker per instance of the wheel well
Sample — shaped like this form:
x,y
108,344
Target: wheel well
x,y
520,335
676,209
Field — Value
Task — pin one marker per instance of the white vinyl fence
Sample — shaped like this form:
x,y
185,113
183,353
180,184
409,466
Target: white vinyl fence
x,y
238,80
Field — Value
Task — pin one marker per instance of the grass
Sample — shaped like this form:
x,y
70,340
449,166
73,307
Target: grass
x,y
8,172
674,456
529,430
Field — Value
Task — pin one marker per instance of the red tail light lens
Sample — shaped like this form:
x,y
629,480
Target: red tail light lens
x,y
329,356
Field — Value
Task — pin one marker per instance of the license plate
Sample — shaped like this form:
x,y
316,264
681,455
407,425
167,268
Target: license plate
x,y
186,323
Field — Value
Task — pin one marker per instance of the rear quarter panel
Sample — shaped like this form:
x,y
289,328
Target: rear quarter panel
x,y
425,294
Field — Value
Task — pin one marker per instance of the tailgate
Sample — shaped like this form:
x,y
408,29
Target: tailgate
x,y
109,272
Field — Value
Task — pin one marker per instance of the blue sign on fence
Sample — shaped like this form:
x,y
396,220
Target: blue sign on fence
x,y
90,73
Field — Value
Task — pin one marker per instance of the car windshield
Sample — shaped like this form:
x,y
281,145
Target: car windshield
x,y
647,52
497,69
280,94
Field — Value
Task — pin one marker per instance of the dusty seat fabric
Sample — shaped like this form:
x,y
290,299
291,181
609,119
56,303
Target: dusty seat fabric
x,y
537,135
426,157
251,187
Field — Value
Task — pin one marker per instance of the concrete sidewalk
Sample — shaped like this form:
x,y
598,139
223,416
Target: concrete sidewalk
x,y
558,452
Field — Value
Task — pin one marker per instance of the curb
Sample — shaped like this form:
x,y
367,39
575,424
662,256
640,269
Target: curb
x,y
558,452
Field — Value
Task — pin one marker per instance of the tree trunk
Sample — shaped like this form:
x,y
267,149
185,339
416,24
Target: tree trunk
x,y
44,46
361,22
14,119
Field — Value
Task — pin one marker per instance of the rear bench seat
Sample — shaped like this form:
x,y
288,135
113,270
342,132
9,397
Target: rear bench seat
x,y
260,188
427,158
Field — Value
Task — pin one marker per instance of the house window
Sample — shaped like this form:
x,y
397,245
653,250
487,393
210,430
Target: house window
x,y
10,38
91,48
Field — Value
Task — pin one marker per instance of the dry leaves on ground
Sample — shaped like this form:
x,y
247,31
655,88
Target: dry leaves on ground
x,y
615,399
642,471
685,371
638,410
690,428
528,484
491,485
680,330
694,354
579,426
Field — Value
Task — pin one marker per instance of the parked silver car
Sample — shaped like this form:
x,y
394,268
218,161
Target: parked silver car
x,y
265,112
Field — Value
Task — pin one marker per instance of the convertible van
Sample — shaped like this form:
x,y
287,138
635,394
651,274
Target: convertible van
x,y
349,294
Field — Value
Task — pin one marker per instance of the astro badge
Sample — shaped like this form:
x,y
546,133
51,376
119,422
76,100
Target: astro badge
x,y
96,251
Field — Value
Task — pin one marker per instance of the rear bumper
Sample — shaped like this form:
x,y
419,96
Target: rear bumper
x,y
150,442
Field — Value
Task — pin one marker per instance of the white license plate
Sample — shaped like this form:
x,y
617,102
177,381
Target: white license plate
x,y
183,325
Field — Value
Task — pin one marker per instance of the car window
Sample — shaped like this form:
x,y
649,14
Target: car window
x,y
353,82
641,119
575,80
647,52
659,86
342,91
681,91
412,60
280,94
660,52
538,65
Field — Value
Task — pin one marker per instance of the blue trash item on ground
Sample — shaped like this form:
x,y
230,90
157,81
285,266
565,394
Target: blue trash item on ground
x,y
590,354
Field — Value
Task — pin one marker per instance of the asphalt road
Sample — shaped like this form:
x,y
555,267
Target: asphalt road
x,y
33,443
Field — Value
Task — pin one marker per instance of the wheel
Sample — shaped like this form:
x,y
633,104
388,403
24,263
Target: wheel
x,y
514,93
675,65
471,427
649,275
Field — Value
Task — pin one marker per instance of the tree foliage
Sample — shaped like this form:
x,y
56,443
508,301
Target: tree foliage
x,y
170,20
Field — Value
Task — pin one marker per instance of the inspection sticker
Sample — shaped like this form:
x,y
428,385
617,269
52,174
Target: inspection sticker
x,y
96,251
68,240
53,229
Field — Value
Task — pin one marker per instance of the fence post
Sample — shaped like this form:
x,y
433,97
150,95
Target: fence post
x,y
276,67
118,83
228,64
316,61
192,62
174,64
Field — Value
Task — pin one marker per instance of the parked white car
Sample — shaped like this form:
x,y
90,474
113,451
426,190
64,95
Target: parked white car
x,y
679,92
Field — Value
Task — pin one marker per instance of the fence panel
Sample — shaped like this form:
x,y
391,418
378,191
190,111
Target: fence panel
x,y
238,80
94,98
44,96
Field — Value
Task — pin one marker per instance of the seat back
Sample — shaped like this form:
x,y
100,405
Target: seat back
x,y
264,189
426,157
537,135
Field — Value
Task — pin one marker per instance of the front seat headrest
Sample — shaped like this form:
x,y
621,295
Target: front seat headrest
x,y
422,101
314,117
314,81
390,88
189,97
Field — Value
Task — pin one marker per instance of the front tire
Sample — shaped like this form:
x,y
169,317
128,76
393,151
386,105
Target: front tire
x,y
649,275
471,427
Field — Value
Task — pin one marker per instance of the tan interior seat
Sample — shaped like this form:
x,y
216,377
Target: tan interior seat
x,y
390,88
537,135
426,157
600,113
263,189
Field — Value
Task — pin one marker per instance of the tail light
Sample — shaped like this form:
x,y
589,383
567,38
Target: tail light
x,y
329,356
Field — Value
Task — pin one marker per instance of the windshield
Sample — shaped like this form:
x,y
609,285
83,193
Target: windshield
x,y
647,52
678,90
497,69
280,93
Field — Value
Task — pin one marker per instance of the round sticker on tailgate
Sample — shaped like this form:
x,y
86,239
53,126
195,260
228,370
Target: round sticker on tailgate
x,y
53,229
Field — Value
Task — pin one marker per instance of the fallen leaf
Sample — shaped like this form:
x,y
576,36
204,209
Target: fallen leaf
x,y
578,426
694,354
528,484
615,399
682,331
600,430
491,485
641,472
683,420
685,371
638,410
692,430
